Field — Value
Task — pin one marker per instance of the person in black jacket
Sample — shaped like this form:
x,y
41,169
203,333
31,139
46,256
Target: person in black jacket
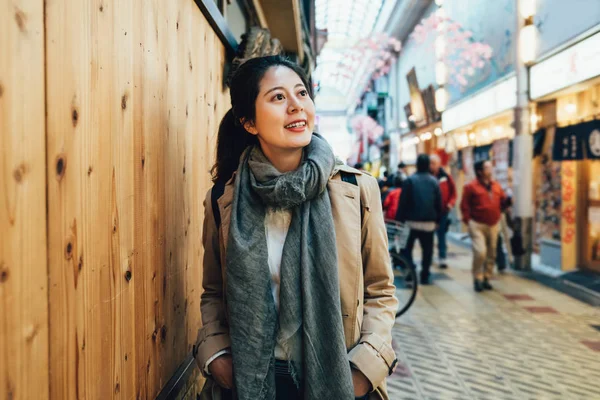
x,y
421,208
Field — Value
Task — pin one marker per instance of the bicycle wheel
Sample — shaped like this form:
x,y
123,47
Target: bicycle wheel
x,y
405,279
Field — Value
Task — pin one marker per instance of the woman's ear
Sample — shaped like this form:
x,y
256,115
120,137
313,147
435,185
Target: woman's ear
x,y
249,126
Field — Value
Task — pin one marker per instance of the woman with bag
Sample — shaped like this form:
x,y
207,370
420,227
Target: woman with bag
x,y
298,298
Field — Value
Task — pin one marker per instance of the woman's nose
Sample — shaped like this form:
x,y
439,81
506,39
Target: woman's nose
x,y
295,106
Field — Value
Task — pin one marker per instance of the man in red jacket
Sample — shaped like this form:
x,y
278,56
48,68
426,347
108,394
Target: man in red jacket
x,y
448,190
390,204
481,206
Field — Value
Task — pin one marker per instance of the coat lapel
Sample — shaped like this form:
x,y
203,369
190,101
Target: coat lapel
x,y
345,205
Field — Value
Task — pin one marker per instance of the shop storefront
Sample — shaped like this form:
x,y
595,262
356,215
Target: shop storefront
x,y
480,128
566,89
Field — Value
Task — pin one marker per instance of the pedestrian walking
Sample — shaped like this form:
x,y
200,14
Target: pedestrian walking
x,y
390,204
291,308
421,207
448,191
401,172
384,189
481,206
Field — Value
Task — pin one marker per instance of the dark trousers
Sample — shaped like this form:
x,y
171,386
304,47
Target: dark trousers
x,y
285,389
441,236
426,242
500,256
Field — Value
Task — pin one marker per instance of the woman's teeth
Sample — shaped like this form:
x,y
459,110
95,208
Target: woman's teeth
x,y
296,125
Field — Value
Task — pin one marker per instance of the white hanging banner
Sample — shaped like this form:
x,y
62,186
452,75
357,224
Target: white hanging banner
x,y
578,63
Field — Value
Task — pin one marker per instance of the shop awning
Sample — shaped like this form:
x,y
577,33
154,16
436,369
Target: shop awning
x,y
577,142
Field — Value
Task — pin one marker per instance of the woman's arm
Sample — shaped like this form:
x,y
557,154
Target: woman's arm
x,y
213,337
374,355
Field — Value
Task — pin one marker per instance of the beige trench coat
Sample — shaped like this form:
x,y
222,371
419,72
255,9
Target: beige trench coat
x,y
366,280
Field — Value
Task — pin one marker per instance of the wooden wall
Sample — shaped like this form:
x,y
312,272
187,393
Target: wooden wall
x,y
23,261
102,244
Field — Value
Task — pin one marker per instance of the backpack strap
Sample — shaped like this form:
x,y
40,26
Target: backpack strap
x,y
217,191
349,178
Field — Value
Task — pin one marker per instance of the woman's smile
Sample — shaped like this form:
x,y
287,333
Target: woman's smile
x,y
298,126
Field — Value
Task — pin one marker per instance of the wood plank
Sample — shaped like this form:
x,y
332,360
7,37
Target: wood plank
x,y
130,119
23,248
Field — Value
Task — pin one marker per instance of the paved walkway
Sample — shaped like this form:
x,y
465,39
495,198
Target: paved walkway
x,y
520,341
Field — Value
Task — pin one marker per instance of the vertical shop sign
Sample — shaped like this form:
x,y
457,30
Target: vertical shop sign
x,y
501,171
417,105
548,198
569,202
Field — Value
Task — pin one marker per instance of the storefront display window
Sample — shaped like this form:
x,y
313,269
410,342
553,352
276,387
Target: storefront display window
x,y
548,201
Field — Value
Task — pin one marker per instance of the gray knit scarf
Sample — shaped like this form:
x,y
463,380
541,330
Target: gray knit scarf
x,y
309,325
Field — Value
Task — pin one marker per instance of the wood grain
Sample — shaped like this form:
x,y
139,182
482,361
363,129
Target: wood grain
x,y
23,256
136,96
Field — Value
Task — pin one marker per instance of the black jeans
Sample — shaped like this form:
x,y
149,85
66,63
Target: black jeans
x,y
285,389
426,241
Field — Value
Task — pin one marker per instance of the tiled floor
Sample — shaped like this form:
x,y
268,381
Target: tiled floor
x,y
520,341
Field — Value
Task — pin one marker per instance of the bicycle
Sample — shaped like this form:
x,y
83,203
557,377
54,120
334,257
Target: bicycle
x,y
405,275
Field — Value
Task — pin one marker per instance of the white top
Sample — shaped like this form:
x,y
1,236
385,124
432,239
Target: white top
x,y
277,225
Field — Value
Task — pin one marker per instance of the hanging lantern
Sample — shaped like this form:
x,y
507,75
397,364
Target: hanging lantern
x,y
441,73
441,99
527,45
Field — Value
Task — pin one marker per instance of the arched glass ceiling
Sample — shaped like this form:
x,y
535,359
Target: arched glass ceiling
x,y
346,21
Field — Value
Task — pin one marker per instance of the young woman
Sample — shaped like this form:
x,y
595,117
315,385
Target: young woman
x,y
298,298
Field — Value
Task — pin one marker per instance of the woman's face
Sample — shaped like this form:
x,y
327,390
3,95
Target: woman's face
x,y
285,113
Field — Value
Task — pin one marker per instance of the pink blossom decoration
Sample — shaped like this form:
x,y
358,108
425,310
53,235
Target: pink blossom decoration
x,y
463,55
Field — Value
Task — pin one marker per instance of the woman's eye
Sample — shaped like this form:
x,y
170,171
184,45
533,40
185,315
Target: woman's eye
x,y
303,93
278,97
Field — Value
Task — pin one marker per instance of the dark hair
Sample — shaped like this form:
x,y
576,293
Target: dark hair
x,y
398,182
233,138
479,166
401,165
358,165
383,183
423,163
